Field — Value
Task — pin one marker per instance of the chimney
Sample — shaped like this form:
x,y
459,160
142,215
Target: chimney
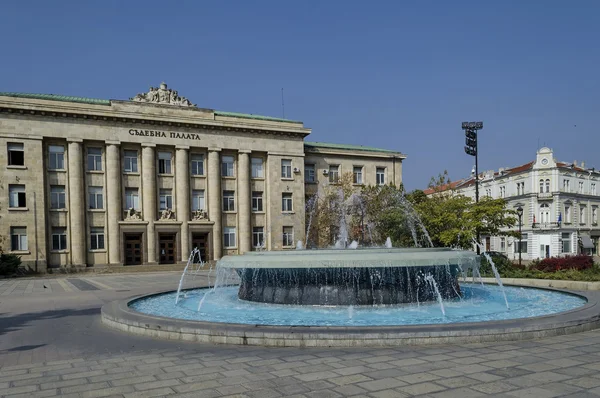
x,y
574,163
582,164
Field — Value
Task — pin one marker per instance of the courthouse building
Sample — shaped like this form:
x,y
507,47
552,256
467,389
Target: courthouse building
x,y
143,181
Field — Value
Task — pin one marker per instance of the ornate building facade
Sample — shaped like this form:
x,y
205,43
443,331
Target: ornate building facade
x,y
560,203
143,181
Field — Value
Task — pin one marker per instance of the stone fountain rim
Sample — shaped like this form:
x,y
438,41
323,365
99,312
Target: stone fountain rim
x,y
119,315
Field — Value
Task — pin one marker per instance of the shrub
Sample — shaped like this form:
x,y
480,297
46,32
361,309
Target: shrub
x,y
9,263
578,263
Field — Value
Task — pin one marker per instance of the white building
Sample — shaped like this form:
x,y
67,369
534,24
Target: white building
x,y
560,204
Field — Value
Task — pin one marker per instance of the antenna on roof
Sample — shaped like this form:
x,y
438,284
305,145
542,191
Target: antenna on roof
x,y
282,105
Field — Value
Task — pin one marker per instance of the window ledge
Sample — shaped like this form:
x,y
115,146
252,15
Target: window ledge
x,y
287,178
97,250
288,212
358,184
95,171
230,211
198,175
131,173
165,174
18,209
258,212
58,170
59,210
310,182
228,177
258,178
96,210
230,247
65,251
19,252
16,167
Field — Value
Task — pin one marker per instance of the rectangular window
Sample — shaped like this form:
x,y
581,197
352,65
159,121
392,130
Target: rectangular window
x,y
567,214
580,186
566,185
257,201
94,158
286,168
16,196
59,239
165,199
164,163
16,154
581,214
257,168
198,199
502,244
228,200
288,236
95,198
132,198
380,175
309,173
502,191
258,237
593,188
56,157
357,175
227,166
566,242
594,215
130,162
334,173
286,201
197,164
97,238
18,239
522,248
229,236
57,197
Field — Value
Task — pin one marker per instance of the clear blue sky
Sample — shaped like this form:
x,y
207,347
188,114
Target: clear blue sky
x,y
398,74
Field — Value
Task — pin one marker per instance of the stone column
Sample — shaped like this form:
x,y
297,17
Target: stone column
x,y
113,203
214,200
182,184
244,202
76,203
149,198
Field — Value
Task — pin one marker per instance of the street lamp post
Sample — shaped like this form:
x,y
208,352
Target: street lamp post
x,y
471,129
520,214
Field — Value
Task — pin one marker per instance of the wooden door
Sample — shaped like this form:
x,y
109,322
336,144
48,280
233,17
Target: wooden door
x,y
200,241
167,249
133,249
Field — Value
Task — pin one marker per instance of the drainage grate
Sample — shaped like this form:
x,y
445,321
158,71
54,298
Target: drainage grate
x,y
82,285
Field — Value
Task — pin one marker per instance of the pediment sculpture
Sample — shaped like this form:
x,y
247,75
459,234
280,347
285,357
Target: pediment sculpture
x,y
167,214
164,96
199,215
133,215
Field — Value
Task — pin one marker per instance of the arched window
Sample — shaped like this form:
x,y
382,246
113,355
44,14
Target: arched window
x,y
541,186
544,213
547,185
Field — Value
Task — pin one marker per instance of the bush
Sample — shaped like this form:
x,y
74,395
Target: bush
x,y
578,263
9,263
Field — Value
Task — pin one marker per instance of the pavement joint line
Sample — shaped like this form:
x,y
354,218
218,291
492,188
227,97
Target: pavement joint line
x,y
99,284
64,284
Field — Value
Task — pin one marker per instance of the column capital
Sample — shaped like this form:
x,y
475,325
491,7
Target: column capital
x,y
148,145
245,151
110,142
76,140
182,147
214,149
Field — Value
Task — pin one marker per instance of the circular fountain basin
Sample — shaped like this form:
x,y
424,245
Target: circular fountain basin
x,y
350,277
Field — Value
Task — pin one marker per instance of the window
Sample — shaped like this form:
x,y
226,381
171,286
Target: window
x,y
357,175
522,248
380,175
164,163
309,173
503,192
97,238
57,197
567,213
198,199
59,239
488,192
334,173
229,236
16,196
581,214
228,200
257,168
594,215
56,157
593,188
258,237
286,201
197,164
520,188
566,185
580,186
288,236
544,213
132,198
547,186
95,198
94,158
541,186
18,239
130,162
257,201
502,244
227,166
16,154
286,168
566,242
165,199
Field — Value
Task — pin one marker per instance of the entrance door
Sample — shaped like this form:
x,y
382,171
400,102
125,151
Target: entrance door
x,y
133,249
168,251
200,241
487,244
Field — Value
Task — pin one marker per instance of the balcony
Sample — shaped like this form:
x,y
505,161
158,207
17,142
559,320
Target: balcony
x,y
545,225
544,195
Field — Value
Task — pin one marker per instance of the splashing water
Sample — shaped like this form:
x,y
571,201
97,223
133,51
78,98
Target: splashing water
x,y
431,281
190,261
494,270
388,243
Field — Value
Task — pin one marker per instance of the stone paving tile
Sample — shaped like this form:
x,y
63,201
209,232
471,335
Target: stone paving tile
x,y
422,388
533,392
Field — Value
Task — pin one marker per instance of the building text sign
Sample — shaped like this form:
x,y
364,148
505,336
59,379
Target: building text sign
x,y
164,134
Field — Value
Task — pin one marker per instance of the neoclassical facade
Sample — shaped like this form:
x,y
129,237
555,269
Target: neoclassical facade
x,y
89,182
560,203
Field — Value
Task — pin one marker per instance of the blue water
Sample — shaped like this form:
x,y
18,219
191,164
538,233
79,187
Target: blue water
x,y
478,305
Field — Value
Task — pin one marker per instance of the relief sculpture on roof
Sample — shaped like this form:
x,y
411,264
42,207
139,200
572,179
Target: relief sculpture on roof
x,y
162,95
